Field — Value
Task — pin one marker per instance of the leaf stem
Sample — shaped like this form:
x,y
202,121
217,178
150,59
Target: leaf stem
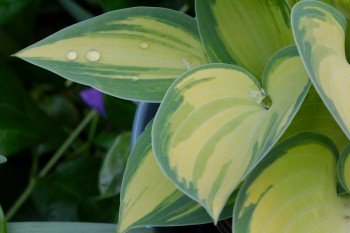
x,y
66,144
50,164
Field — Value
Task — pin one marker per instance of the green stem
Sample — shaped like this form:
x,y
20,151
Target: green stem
x,y
66,144
50,164
93,128
21,199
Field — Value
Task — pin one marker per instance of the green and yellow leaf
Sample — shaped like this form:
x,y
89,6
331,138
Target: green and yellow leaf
x,y
246,33
313,116
294,189
319,31
213,127
344,169
68,227
148,198
134,53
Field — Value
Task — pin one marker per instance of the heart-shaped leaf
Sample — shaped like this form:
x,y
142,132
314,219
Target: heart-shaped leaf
x,y
148,198
344,169
212,127
294,189
247,33
319,31
134,53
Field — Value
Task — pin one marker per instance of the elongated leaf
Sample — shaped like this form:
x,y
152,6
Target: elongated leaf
x,y
148,198
112,170
313,116
294,190
134,53
344,169
319,31
67,227
247,33
3,228
212,127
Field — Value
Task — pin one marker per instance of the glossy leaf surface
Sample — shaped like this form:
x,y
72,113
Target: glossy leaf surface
x,y
344,169
148,198
319,31
294,190
212,127
133,53
247,33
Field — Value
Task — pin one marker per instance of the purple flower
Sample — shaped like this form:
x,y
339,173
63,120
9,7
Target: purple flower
x,y
94,99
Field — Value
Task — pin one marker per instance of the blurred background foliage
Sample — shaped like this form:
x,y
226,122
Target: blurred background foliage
x,y
43,115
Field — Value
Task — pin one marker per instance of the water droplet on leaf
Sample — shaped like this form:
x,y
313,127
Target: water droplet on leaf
x,y
256,95
135,78
144,45
186,64
93,55
71,55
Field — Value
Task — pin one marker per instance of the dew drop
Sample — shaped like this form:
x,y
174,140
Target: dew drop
x,y
93,55
71,55
144,45
186,64
135,78
256,95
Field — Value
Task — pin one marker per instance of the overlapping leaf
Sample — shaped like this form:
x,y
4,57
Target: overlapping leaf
x,y
294,190
313,116
148,198
319,31
344,169
247,33
133,53
213,127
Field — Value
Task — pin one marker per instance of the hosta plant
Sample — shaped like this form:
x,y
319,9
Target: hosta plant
x,y
232,83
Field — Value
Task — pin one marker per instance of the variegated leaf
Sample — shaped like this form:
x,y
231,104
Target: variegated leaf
x,y
247,33
293,190
344,169
68,227
213,127
319,31
148,198
134,53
